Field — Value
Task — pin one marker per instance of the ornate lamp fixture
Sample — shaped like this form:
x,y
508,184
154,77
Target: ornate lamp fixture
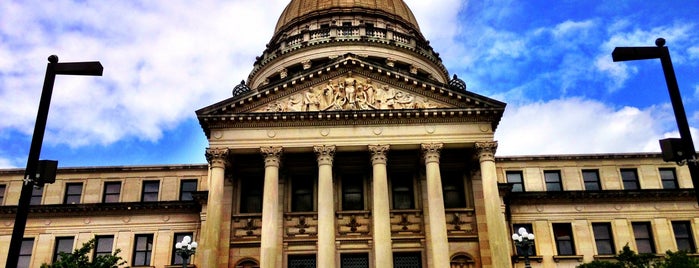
x,y
185,249
524,241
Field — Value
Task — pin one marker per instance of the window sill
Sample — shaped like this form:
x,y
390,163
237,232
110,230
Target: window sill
x,y
604,257
180,266
535,258
558,258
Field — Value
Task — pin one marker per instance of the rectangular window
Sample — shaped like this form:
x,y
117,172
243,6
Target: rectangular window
x,y
63,244
553,180
668,178
251,195
407,260
453,190
176,258
629,178
516,179
643,234
25,253
528,227
187,187
683,236
142,250
37,193
302,194
353,192
591,180
103,245
112,191
354,260
301,261
402,191
2,193
73,193
149,193
563,234
603,238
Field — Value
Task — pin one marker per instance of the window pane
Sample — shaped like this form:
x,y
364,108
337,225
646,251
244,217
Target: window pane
x,y
563,235
2,193
630,179
353,192
354,260
73,193
402,190
668,178
187,187
150,191
25,253
63,244
142,249
453,190
553,180
103,245
37,192
644,237
683,236
112,190
528,227
302,194
516,179
251,195
591,179
603,238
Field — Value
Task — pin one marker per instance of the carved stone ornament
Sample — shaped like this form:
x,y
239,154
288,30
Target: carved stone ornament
x,y
325,154
378,153
431,151
350,93
272,155
306,64
217,157
283,73
486,150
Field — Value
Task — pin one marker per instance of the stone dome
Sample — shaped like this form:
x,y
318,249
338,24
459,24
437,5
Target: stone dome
x,y
298,9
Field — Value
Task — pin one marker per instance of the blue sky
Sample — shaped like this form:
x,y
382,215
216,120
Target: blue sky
x,y
549,60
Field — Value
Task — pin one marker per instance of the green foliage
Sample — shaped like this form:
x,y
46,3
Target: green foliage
x,y
627,258
79,259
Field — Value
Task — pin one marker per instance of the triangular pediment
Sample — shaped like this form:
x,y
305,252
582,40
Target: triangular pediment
x,y
349,92
349,87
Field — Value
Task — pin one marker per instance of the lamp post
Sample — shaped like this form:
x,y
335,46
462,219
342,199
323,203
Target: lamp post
x,y
39,172
678,150
524,241
185,249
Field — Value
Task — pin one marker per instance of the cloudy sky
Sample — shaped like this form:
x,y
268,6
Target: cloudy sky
x,y
549,60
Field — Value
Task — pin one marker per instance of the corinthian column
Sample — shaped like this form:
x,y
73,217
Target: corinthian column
x,y
383,251
497,231
270,245
326,206
217,158
438,242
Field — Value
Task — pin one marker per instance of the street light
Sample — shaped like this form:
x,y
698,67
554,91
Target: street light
x,y
186,249
524,241
38,172
674,150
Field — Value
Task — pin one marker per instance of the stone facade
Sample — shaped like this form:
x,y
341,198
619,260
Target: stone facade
x,y
348,146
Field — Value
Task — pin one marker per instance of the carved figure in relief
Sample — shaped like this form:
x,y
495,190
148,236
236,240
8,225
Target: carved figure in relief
x,y
350,85
328,94
386,98
311,99
403,100
295,103
370,92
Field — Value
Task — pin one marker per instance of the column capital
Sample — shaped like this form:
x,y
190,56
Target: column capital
x,y
272,155
379,153
217,157
431,152
486,150
325,154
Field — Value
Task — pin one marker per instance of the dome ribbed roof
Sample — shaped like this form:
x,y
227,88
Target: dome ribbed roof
x,y
299,8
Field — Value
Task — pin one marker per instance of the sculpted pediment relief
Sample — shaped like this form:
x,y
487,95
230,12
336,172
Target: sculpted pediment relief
x,y
350,93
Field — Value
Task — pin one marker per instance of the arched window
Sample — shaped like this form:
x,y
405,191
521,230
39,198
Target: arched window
x,y
462,261
248,263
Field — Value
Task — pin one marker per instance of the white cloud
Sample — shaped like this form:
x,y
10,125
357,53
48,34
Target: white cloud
x,y
6,163
577,125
